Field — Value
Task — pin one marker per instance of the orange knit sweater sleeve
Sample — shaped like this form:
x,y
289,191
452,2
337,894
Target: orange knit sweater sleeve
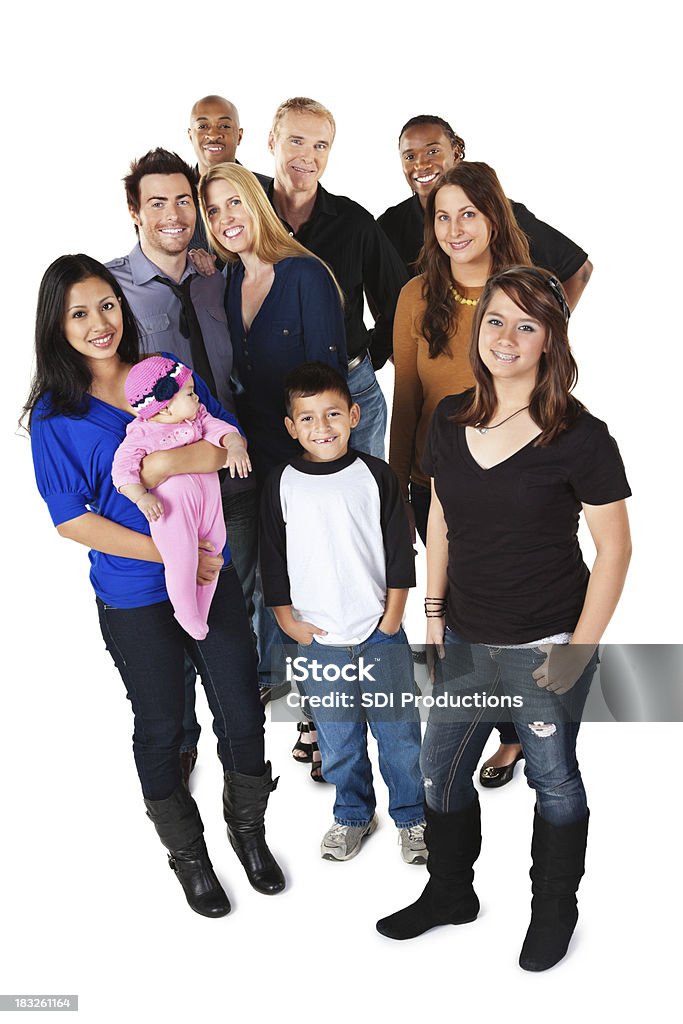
x,y
408,398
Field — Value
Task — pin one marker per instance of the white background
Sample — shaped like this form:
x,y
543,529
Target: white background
x,y
574,108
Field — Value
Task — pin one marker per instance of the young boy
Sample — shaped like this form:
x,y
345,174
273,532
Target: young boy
x,y
337,563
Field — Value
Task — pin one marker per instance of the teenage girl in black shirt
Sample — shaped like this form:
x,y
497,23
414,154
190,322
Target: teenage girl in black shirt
x,y
511,605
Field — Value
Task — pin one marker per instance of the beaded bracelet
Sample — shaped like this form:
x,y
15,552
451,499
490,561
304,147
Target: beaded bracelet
x,y
435,607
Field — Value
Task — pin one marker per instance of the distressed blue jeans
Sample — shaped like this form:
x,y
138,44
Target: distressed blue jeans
x,y
547,725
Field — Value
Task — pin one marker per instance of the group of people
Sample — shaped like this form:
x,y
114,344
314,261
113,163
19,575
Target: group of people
x,y
235,345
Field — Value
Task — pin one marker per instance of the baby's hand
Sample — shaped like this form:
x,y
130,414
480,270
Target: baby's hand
x,y
151,507
238,459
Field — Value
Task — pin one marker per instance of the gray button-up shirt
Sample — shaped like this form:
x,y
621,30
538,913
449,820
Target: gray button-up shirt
x,y
157,310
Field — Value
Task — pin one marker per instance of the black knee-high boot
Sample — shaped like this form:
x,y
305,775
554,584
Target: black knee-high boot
x,y
180,829
558,855
454,843
245,798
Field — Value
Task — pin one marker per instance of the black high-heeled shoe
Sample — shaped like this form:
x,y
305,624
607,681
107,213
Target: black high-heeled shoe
x,y
303,752
493,778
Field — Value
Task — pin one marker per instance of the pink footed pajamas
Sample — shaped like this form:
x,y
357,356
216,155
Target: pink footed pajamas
x,y
192,509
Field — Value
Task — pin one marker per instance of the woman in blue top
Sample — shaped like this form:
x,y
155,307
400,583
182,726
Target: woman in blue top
x,y
86,343
284,306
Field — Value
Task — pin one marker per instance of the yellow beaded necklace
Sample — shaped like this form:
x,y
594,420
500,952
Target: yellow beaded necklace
x,y
461,298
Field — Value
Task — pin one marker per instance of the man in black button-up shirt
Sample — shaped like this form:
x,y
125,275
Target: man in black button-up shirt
x,y
346,236
428,146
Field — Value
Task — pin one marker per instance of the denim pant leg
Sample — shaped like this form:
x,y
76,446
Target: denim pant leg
x,y
456,735
394,722
226,661
342,735
147,646
504,723
240,512
270,640
369,435
547,725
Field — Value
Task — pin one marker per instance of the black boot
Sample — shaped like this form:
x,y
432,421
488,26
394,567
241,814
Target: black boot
x,y
245,798
453,842
180,829
558,853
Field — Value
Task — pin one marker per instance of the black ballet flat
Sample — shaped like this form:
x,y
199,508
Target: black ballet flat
x,y
494,778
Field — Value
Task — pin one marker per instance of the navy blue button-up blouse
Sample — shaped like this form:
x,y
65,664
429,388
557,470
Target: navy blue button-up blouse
x,y
300,320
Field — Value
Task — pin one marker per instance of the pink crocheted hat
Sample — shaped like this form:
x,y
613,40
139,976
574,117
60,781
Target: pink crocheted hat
x,y
153,383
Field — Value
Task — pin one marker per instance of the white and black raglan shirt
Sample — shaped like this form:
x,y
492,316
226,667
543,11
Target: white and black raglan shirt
x,y
334,538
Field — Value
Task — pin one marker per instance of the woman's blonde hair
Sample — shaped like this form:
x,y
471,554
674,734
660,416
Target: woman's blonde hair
x,y
271,242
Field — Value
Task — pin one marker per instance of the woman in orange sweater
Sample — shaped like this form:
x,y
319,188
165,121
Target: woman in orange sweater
x,y
470,233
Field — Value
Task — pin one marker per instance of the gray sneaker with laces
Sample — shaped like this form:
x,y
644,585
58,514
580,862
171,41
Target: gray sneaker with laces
x,y
342,842
413,846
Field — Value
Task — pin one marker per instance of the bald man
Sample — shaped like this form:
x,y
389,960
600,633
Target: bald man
x,y
215,134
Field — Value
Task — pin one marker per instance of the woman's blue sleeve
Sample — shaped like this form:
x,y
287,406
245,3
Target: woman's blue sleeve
x,y
322,316
59,468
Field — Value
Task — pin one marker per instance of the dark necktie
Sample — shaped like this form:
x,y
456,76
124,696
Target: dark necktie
x,y
190,328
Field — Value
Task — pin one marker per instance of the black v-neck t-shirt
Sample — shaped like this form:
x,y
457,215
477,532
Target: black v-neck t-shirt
x,y
515,568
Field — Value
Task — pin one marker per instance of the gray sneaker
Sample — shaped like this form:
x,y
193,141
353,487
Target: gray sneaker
x,y
342,842
413,846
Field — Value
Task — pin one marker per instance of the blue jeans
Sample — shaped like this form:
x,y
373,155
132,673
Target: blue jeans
x,y
342,731
547,726
270,639
240,512
148,648
368,436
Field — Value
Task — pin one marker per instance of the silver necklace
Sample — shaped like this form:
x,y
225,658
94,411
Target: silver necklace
x,y
485,430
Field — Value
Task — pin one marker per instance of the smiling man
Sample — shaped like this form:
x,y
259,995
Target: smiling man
x,y
181,311
428,146
215,134
214,131
347,238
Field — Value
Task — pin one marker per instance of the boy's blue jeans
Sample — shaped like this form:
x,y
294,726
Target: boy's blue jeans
x,y
547,725
342,730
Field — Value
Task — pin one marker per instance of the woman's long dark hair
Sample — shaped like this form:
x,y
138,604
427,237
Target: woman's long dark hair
x,y
508,246
60,369
552,406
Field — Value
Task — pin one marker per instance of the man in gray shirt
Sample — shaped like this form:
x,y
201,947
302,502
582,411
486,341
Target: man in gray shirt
x,y
181,311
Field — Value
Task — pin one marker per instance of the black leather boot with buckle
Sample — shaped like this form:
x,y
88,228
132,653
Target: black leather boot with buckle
x,y
180,829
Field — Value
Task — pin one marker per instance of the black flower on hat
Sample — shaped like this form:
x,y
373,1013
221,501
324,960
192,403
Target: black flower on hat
x,y
165,388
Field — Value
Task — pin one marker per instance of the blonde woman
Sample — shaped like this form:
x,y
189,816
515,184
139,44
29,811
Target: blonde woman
x,y
283,304
284,308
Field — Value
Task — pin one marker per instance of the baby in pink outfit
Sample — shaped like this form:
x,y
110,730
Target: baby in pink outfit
x,y
185,507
